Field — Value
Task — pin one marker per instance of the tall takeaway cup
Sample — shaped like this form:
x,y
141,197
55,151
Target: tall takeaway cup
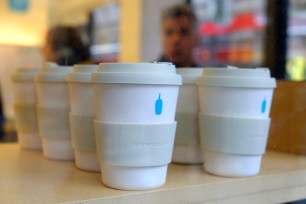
x,y
187,148
25,108
82,115
234,119
53,111
135,127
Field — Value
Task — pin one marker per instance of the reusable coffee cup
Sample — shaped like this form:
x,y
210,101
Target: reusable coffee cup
x,y
82,117
135,128
187,148
53,111
234,119
25,108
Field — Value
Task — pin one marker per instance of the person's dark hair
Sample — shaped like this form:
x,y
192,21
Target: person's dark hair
x,y
179,10
67,43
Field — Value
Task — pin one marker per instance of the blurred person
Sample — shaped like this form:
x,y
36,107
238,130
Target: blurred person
x,y
64,46
178,35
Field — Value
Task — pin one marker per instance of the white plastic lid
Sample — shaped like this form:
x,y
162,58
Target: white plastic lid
x,y
52,72
137,73
81,73
237,77
23,74
189,74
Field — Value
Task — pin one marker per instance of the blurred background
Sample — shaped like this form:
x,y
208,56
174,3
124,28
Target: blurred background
x,y
253,33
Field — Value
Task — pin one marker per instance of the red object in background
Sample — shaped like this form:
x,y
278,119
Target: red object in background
x,y
247,21
220,46
222,54
210,29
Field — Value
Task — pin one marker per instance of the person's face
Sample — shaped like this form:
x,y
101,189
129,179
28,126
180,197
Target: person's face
x,y
178,40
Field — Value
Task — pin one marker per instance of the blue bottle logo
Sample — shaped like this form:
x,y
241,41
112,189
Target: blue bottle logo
x,y
263,105
158,106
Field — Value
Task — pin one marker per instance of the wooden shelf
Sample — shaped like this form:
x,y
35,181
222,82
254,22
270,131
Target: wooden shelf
x,y
27,177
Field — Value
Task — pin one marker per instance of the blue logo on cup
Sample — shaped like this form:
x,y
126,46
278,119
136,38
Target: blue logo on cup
x,y
263,105
158,106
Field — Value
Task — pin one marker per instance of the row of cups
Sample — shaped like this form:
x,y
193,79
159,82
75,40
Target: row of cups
x,y
130,120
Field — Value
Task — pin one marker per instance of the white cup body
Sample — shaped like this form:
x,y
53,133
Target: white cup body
x,y
238,100
81,104
82,114
134,156
231,165
27,126
24,92
234,101
134,94
25,98
52,94
57,149
124,103
188,99
87,160
187,154
188,103
81,99
53,109
83,141
29,140
133,178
